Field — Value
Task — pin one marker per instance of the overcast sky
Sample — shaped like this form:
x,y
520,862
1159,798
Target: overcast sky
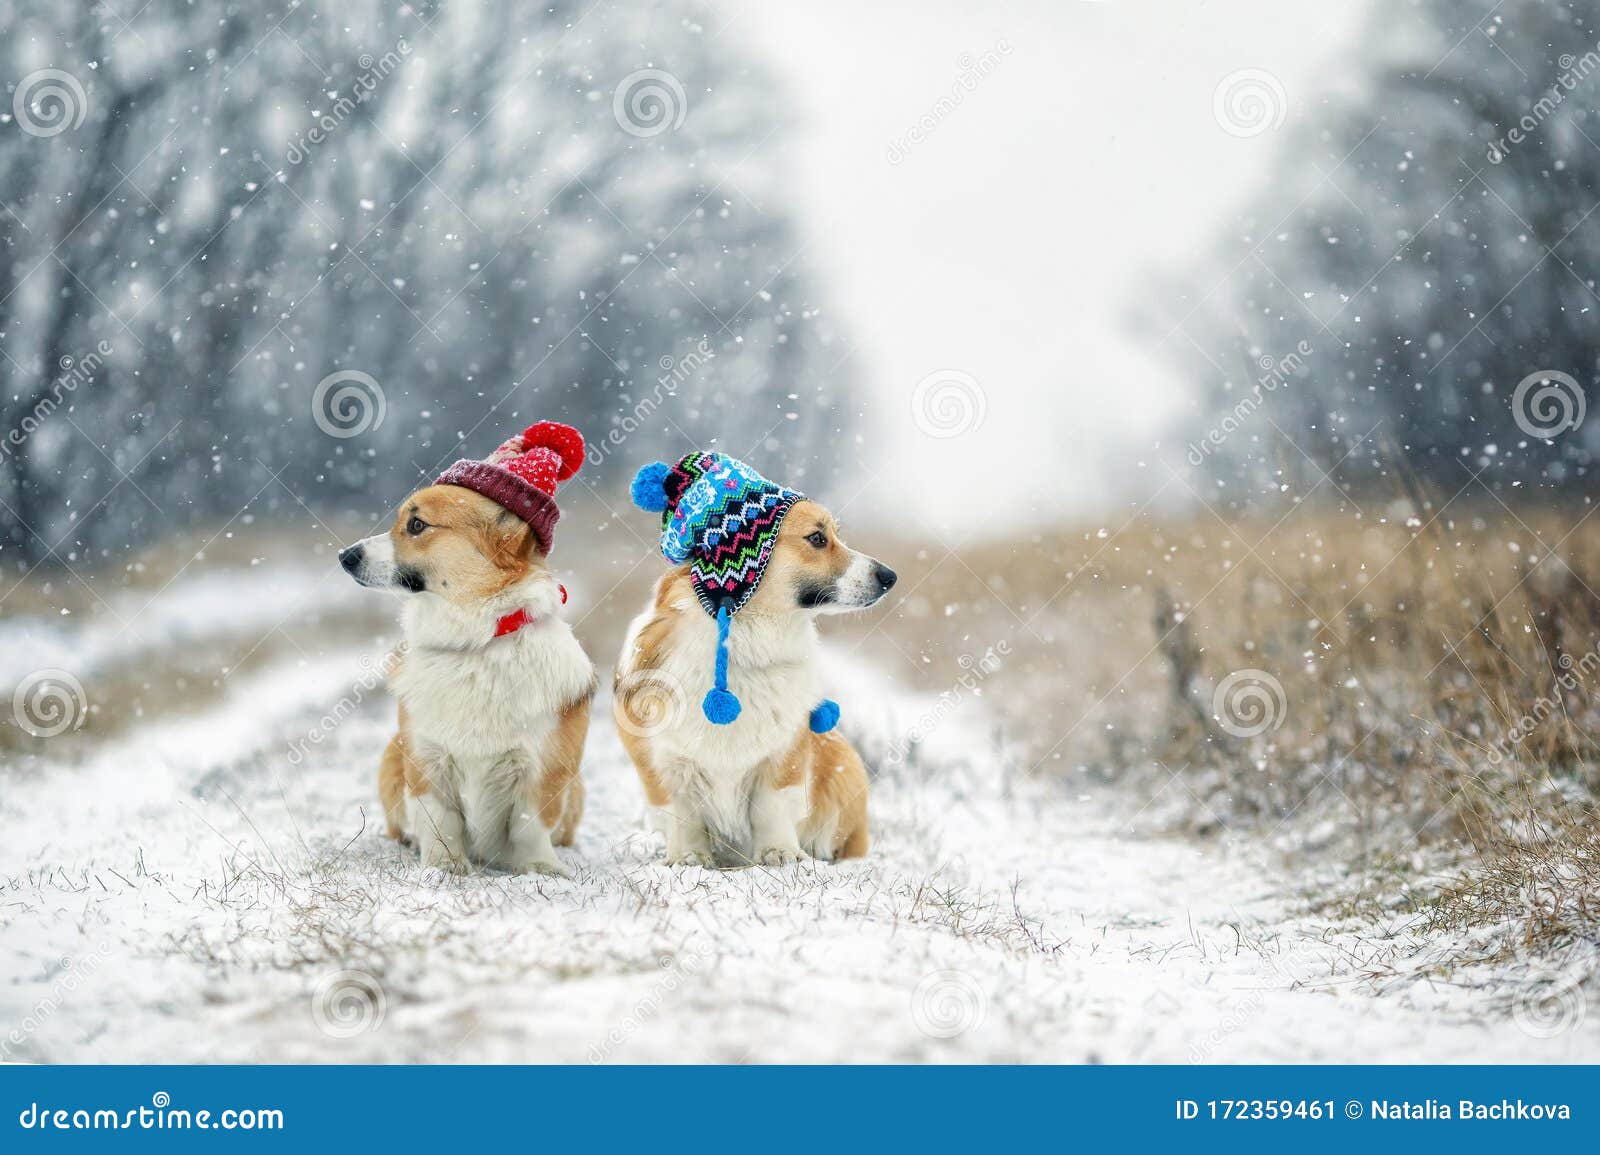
x,y
1012,242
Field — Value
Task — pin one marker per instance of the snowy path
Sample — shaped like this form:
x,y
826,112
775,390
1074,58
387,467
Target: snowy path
x,y
190,894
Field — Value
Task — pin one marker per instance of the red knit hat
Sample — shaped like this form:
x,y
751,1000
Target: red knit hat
x,y
522,474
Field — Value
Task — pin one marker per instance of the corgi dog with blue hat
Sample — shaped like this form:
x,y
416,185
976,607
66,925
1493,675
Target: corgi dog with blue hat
x,y
718,698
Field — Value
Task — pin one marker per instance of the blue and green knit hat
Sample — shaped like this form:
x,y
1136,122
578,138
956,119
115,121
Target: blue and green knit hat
x,y
722,517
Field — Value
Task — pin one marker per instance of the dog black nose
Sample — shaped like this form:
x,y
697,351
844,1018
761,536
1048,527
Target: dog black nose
x,y
885,576
350,558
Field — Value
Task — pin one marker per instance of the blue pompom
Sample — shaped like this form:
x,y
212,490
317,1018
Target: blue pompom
x,y
720,706
825,717
649,487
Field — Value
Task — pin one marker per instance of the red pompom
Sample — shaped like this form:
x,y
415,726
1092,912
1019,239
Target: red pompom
x,y
562,440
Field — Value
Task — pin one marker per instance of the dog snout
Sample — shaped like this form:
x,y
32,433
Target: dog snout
x,y
350,558
884,576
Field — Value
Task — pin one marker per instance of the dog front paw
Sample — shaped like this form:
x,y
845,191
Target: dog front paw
x,y
549,867
779,856
692,858
436,876
439,857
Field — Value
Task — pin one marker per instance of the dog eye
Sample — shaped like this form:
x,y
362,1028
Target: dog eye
x,y
817,538
415,526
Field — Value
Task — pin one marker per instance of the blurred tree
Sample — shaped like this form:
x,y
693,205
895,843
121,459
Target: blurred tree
x,y
477,215
1430,240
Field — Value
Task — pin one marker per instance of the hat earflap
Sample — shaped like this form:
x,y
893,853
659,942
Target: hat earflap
x,y
649,490
720,706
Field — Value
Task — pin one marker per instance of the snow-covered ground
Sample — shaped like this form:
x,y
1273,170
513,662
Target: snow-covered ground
x,y
214,886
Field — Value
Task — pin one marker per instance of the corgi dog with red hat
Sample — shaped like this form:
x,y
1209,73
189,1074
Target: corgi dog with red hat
x,y
494,689
752,772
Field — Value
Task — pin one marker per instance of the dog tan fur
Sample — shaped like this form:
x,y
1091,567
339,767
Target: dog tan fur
x,y
720,791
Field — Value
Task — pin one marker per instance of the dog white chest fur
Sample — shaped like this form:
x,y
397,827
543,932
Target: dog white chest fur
x,y
480,712
712,771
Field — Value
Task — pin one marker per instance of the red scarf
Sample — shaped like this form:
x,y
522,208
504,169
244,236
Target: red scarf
x,y
515,620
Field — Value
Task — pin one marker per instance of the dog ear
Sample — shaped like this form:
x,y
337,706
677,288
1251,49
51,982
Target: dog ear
x,y
514,543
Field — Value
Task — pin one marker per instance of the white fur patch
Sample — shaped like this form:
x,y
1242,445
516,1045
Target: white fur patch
x,y
481,710
710,770
377,561
857,587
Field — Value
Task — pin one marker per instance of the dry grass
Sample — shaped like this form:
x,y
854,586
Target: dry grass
x,y
1428,681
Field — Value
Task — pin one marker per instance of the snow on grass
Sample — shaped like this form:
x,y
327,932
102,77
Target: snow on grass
x,y
225,603
193,893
